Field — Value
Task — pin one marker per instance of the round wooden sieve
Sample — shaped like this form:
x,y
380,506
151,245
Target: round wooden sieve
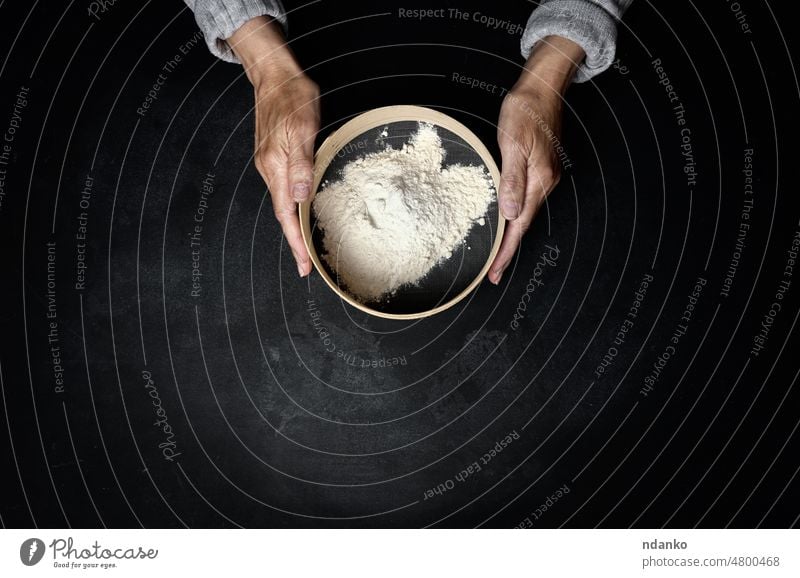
x,y
449,282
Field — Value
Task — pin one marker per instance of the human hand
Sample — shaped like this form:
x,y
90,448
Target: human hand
x,y
287,121
528,133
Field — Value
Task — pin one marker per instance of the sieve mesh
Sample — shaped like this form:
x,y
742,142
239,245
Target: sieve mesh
x,y
450,277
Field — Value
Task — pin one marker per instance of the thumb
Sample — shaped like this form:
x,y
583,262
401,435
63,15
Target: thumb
x,y
300,169
513,180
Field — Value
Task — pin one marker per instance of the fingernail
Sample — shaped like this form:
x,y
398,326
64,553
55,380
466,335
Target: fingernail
x,y
300,270
300,191
510,209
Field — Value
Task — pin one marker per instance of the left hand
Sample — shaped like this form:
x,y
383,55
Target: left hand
x,y
528,133
287,120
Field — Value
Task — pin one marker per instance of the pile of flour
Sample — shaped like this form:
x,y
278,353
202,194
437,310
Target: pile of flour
x,y
397,213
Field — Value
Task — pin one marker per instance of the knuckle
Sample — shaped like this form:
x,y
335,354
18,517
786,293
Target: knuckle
x,y
258,159
298,160
284,215
516,149
511,98
300,168
511,184
507,141
265,160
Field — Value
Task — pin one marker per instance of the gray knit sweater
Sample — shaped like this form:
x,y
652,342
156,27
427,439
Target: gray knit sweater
x,y
590,23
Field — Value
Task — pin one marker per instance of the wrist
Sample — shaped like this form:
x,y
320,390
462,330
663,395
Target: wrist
x,y
260,46
551,66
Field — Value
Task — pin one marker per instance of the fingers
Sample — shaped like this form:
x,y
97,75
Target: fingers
x,y
538,183
286,214
511,197
299,170
274,170
301,161
513,178
508,247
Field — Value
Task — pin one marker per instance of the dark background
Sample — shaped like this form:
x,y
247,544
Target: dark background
x,y
270,428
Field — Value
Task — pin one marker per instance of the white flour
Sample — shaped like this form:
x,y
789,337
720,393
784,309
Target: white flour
x,y
397,213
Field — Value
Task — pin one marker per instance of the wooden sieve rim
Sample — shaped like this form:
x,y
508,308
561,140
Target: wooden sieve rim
x,y
361,124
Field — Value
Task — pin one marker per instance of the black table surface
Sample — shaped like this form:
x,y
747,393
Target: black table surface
x,y
162,364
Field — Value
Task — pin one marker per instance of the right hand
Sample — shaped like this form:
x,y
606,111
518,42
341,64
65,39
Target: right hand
x,y
287,121
528,133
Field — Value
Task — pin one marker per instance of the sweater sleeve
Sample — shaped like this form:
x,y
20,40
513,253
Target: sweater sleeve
x,y
590,23
219,19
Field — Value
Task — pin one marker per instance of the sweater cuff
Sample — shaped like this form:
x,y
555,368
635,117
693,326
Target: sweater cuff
x,y
590,24
219,19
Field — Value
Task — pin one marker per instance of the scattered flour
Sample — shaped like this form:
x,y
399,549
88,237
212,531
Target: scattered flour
x,y
397,213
